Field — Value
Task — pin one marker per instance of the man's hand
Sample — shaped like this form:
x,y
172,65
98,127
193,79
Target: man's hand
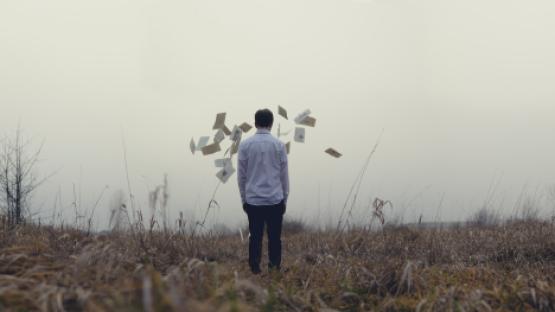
x,y
284,207
245,207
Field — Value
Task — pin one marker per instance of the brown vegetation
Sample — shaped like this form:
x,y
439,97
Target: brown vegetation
x,y
466,268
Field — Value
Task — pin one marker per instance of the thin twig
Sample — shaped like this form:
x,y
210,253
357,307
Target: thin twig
x,y
356,185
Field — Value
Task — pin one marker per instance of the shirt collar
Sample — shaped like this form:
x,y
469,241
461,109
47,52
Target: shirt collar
x,y
262,131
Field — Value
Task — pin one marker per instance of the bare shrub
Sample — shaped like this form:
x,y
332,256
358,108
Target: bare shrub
x,y
529,211
551,199
17,178
294,226
221,229
484,217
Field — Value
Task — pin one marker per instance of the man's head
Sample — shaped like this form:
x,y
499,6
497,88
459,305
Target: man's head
x,y
264,119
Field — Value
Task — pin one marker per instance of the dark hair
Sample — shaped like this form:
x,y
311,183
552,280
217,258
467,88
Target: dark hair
x,y
264,118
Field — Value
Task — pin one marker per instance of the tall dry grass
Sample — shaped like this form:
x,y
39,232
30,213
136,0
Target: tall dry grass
x,y
507,266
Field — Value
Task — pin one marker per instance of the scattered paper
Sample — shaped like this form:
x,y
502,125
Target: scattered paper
x,y
225,164
229,166
235,147
309,121
299,135
333,153
220,136
282,112
202,142
220,121
211,149
225,174
236,134
302,116
280,133
193,146
245,127
221,163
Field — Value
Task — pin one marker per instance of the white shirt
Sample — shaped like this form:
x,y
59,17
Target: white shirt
x,y
263,170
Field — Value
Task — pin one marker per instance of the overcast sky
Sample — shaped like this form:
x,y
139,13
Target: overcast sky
x,y
464,91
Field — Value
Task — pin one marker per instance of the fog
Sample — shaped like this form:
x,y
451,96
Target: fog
x,y
463,91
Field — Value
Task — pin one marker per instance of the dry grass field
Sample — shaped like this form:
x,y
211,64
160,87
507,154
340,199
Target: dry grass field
x,y
462,268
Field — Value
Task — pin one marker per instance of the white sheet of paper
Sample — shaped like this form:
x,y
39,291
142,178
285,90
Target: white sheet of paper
x,y
221,163
281,133
220,136
202,142
225,174
286,132
193,146
229,166
299,135
236,134
301,117
235,147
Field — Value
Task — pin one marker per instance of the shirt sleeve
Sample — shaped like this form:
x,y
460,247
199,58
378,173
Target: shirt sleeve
x,y
284,174
242,163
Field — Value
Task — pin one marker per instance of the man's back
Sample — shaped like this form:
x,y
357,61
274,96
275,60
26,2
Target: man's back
x,y
263,170
264,186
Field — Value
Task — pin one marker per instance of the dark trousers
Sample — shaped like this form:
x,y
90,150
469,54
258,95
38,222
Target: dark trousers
x,y
272,217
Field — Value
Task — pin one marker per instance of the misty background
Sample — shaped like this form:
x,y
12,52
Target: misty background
x,y
463,90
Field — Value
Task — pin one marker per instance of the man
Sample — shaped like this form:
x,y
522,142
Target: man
x,y
264,186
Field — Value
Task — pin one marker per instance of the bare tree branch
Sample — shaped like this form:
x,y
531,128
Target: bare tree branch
x,y
17,182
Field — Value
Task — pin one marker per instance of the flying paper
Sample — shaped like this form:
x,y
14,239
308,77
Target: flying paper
x,y
280,133
193,146
282,112
309,121
226,130
236,134
288,147
302,116
211,149
221,163
245,127
202,142
333,152
235,147
229,166
220,121
299,135
225,173
220,136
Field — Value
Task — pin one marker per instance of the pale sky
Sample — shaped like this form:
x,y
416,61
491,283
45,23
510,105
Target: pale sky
x,y
464,91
